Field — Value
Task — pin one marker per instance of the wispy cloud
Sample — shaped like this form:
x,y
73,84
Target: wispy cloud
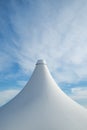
x,y
6,95
22,83
80,95
44,30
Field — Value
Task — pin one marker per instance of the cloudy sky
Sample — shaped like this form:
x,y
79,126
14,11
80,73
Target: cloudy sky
x,y
54,30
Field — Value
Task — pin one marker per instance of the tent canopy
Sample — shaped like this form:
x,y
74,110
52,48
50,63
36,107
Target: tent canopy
x,y
42,105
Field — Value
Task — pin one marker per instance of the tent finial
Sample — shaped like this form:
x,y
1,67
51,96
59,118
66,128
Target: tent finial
x,y
41,61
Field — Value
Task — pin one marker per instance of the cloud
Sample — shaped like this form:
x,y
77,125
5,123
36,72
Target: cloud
x,y
21,83
65,37
80,95
4,58
7,95
52,30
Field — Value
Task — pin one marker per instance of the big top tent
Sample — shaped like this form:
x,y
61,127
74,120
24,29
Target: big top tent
x,y
42,105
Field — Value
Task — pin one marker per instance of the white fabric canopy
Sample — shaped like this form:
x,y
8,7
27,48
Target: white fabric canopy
x,y
42,105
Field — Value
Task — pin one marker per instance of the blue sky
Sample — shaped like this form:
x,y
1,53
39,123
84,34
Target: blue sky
x,y
54,30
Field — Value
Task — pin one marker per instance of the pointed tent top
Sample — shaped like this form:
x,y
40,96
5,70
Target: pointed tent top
x,y
43,62
42,105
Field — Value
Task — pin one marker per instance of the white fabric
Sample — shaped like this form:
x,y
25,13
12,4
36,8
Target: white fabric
x,y
42,105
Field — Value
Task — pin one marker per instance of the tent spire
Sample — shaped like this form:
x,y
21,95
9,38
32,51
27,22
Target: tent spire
x,y
41,62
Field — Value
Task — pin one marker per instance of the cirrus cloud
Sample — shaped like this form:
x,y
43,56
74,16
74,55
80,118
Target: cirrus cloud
x,y
7,95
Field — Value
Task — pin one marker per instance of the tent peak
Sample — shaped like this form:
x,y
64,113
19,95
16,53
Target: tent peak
x,y
41,61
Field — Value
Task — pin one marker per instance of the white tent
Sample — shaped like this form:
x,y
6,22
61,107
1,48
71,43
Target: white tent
x,y
42,105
